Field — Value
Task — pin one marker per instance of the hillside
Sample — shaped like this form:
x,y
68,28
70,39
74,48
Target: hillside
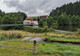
x,y
66,17
71,8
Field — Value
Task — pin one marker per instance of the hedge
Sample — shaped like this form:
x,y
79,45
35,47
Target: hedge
x,y
38,30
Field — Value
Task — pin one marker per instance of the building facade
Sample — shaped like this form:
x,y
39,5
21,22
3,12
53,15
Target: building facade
x,y
30,21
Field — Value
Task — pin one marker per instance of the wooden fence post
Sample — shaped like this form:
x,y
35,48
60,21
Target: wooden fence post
x,y
34,48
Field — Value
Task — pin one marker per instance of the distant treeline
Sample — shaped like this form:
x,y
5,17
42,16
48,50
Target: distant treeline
x,y
12,18
71,8
66,17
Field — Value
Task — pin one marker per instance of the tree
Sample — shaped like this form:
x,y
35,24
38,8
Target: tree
x,y
75,22
50,22
23,15
67,17
41,23
60,21
2,13
71,8
63,22
44,24
7,20
0,19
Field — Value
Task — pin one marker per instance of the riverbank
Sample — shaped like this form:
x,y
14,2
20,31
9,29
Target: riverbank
x,y
48,34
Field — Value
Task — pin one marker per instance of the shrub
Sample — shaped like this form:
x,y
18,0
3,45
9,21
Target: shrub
x,y
45,29
1,37
78,31
45,34
18,36
11,27
51,29
33,30
10,36
38,30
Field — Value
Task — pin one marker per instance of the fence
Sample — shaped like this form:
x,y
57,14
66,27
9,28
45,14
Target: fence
x,y
35,48
4,25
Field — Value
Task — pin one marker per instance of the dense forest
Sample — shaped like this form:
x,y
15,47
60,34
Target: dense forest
x,y
66,17
12,18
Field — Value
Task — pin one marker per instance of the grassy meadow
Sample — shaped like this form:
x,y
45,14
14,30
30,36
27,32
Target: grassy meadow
x,y
4,51
64,39
61,47
28,34
18,52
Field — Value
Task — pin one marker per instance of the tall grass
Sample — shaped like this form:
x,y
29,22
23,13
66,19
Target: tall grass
x,y
5,36
60,47
64,39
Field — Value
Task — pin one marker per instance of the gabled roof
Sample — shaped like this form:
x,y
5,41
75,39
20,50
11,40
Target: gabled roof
x,y
29,18
44,16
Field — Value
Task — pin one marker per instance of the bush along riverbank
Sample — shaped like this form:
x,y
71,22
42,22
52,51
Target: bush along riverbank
x,y
38,30
4,36
63,40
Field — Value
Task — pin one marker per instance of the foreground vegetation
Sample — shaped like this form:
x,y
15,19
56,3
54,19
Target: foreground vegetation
x,y
60,47
17,35
64,39
46,34
4,51
38,29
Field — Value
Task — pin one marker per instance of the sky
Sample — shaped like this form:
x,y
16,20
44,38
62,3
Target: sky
x,y
32,7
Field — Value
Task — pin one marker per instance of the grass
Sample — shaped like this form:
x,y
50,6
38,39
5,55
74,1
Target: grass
x,y
62,47
64,39
49,34
27,34
4,51
22,52
18,52
12,51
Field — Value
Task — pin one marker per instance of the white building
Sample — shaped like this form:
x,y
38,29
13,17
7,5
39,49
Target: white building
x,y
30,21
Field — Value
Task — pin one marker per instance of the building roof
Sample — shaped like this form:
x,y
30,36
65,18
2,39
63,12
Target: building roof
x,y
35,19
29,18
44,16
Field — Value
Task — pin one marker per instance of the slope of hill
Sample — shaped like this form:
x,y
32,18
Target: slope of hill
x,y
71,8
66,17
